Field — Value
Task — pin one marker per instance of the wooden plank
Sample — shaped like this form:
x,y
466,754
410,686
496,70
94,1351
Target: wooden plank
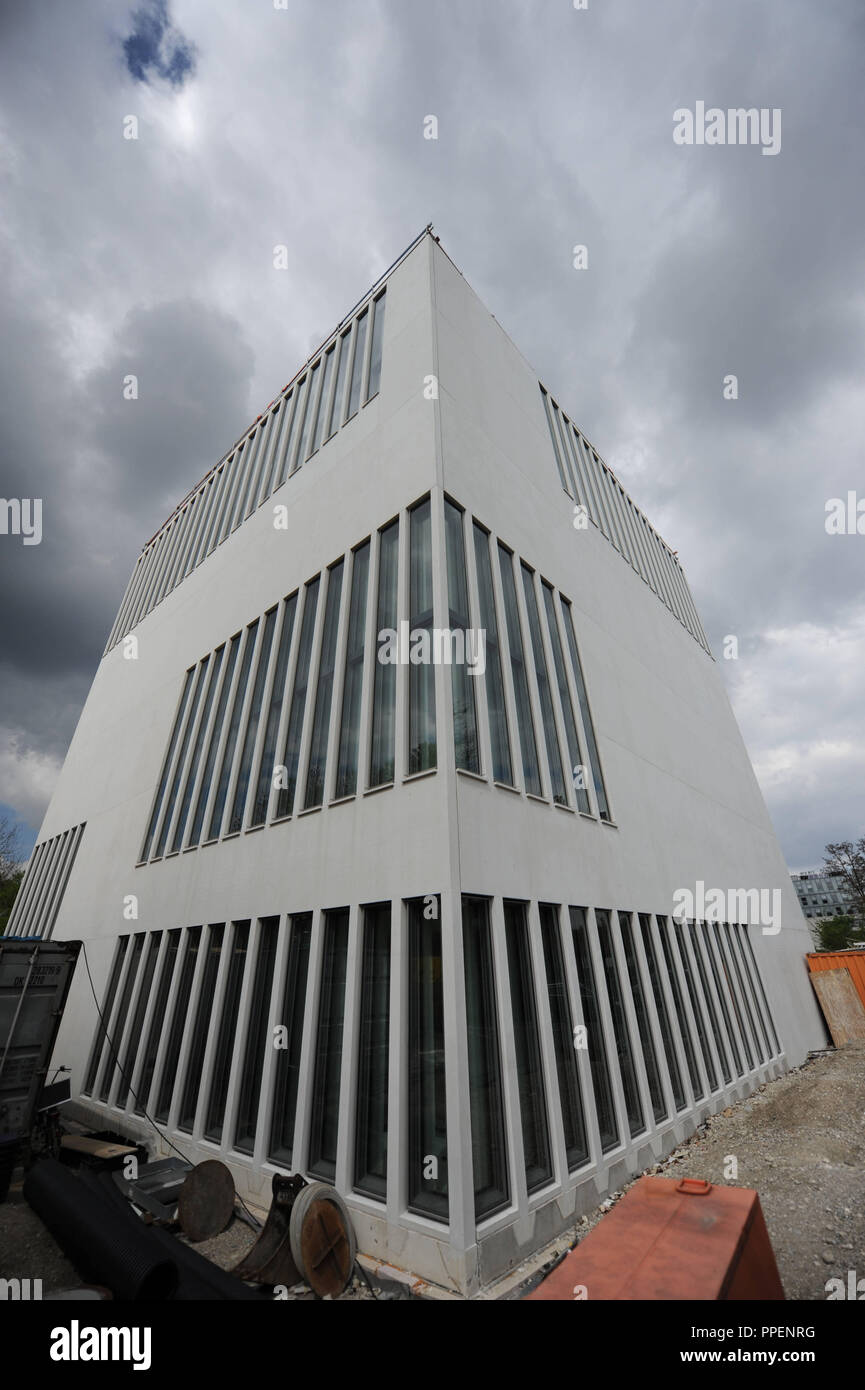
x,y
841,1005
95,1148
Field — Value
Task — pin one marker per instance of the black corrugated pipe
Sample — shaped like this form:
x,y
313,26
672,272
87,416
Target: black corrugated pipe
x,y
105,1247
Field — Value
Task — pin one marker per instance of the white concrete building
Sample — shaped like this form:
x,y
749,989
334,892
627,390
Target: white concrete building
x,y
347,917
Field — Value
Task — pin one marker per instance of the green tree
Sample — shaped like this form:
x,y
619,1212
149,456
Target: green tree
x,y
11,869
847,858
837,933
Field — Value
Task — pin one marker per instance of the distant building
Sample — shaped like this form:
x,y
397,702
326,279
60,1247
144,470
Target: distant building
x,y
822,894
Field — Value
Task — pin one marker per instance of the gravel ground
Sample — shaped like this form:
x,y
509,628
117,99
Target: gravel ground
x,y
800,1141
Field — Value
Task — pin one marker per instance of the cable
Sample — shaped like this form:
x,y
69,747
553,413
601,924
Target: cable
x,y
164,1137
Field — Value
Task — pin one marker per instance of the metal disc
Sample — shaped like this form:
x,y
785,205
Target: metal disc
x,y
206,1200
322,1239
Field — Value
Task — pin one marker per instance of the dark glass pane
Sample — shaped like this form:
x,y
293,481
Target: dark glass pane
x,y
588,726
462,682
678,1000
289,430
195,1062
324,401
357,367
663,1014
213,749
741,990
601,1086
235,822
166,766
370,1164
633,1105
285,799
570,1097
375,348
644,1027
118,1023
527,1045
324,1126
381,764
427,1112
489,1152
315,778
732,993
191,775
134,1041
576,756
256,1038
710,1003
705,934
338,407
422,697
288,1056
266,768
309,409
107,1006
551,738
178,1022
698,1013
349,734
528,746
157,1022
215,1115
233,730
501,750
748,953
181,758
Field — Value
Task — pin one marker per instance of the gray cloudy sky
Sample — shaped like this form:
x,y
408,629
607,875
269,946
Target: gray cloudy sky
x,y
304,126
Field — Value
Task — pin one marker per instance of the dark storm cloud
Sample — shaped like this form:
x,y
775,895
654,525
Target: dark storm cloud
x,y
304,127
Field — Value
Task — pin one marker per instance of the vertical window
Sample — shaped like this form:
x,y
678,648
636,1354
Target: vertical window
x,y
722,999
213,749
309,409
633,1106
375,347
324,693
381,762
212,683
748,955
285,800
549,408
679,1003
349,733
166,766
495,687
733,994
576,757
157,1022
324,1126
324,400
594,1030
264,780
233,729
644,1027
105,1018
236,819
201,1029
178,1022
663,1015
215,1116
698,1013
743,996
551,738
357,365
528,746
181,759
462,683
527,1045
288,1058
588,726
290,406
422,695
489,1160
370,1160
118,1024
576,1144
134,1041
427,1112
710,1003
338,408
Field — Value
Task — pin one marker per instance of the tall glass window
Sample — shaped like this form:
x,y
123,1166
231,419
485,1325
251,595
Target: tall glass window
x,y
551,738
134,1040
594,1030
375,347
215,1116
361,325
679,1003
236,820
706,942
191,775
570,1097
370,1159
288,1053
107,1006
528,746
381,763
266,769
181,759
213,748
349,733
291,757
201,1029
233,730
644,1027
576,756
527,1045
495,687
588,726
427,1112
422,694
624,1047
118,1023
324,694
309,409
157,1022
324,1125
743,996
748,953
462,683
731,993
710,1003
698,1013
549,408
166,766
663,1015
338,407
489,1153
289,431
178,1023
324,400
